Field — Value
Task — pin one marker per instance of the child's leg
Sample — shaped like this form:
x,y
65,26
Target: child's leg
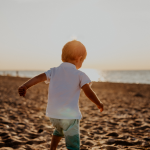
x,y
54,142
72,135
57,134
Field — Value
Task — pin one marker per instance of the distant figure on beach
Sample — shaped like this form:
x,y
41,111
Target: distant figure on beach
x,y
65,84
17,74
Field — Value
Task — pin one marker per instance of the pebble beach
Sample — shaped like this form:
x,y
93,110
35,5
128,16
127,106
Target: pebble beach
x,y
123,125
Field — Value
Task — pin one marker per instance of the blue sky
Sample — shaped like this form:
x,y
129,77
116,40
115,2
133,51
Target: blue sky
x,y
116,33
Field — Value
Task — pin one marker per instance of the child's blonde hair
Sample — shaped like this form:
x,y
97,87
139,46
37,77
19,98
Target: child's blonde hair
x,y
72,50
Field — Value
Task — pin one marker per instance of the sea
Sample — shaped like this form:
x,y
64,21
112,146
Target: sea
x,y
117,76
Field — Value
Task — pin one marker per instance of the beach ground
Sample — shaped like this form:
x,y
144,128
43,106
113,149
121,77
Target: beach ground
x,y
124,124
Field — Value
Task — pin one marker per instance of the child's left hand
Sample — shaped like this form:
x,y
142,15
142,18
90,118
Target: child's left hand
x,y
22,90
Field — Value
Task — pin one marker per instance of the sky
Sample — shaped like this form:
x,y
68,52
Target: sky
x,y
116,33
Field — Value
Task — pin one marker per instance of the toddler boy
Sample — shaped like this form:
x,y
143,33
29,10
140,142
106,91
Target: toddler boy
x,y
65,83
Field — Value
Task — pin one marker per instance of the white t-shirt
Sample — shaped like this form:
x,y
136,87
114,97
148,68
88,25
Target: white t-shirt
x,y
64,91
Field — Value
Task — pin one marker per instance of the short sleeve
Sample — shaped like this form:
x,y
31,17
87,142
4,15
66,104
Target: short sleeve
x,y
48,75
84,79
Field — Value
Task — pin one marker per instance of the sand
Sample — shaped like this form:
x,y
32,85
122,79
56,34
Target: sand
x,y
124,123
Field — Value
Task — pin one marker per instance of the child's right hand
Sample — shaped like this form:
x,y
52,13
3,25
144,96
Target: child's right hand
x,y
101,107
22,90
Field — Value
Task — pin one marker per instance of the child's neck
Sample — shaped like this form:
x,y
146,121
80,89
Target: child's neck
x,y
72,62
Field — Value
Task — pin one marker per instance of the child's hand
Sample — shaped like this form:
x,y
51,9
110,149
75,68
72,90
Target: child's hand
x,y
101,107
22,90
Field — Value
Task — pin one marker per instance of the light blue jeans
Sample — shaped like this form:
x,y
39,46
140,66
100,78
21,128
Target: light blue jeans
x,y
68,128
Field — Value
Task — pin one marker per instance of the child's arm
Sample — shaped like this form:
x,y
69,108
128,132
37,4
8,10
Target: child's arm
x,y
40,78
92,96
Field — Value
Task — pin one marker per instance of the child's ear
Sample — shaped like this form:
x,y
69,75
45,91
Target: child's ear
x,y
80,58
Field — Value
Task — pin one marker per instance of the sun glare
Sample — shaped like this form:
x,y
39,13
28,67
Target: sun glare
x,y
93,74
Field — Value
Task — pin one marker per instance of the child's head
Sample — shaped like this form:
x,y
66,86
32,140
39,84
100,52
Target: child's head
x,y
72,51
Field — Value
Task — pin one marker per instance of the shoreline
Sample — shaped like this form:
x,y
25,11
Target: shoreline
x,y
27,78
114,76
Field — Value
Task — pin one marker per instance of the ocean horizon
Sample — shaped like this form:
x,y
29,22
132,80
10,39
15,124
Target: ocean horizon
x,y
118,76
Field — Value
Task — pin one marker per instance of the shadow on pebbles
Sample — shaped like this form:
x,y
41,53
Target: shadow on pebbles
x,y
124,123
